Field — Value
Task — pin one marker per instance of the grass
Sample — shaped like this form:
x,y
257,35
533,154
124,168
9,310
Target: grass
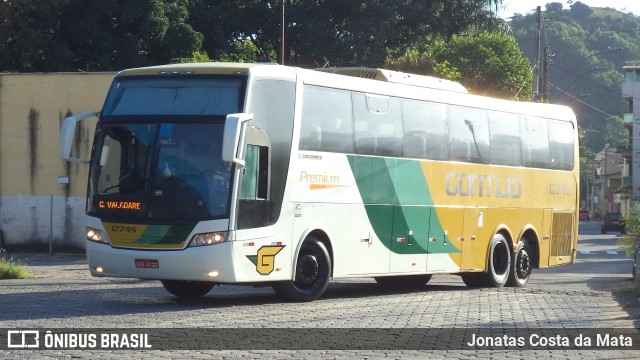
x,y
11,268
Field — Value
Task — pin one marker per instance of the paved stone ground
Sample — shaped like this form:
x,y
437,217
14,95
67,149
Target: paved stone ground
x,y
60,266
64,295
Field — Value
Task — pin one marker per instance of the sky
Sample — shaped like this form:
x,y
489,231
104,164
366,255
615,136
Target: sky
x,y
526,6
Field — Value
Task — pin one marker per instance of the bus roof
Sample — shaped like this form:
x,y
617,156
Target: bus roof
x,y
435,89
399,78
194,68
243,68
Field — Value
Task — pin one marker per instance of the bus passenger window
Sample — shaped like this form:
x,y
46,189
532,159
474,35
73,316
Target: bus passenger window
x,y
469,132
505,139
535,143
378,125
561,145
425,127
326,120
416,144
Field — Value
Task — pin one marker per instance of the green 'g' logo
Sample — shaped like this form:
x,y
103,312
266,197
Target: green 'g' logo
x,y
265,260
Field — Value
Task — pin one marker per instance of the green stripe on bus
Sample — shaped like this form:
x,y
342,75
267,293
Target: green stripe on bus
x,y
165,234
397,200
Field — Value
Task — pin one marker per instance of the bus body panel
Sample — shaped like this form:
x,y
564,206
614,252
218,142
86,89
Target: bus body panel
x,y
514,197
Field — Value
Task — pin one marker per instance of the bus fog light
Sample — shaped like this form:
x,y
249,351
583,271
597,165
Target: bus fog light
x,y
99,269
213,274
207,239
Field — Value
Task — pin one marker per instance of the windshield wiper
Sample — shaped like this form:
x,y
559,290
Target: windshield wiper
x,y
116,185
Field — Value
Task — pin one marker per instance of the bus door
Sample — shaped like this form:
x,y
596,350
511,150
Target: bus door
x,y
254,202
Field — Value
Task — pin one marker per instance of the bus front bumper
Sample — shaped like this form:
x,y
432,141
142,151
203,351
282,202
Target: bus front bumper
x,y
207,263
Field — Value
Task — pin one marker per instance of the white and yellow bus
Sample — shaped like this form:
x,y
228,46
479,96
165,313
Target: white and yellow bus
x,y
219,173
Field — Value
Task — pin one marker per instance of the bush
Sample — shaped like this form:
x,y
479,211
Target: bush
x,y
11,269
630,240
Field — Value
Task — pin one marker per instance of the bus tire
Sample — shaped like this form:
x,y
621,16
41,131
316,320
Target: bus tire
x,y
521,265
403,282
313,272
187,289
499,262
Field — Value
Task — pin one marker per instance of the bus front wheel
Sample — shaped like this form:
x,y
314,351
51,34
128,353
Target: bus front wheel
x,y
313,272
187,289
499,262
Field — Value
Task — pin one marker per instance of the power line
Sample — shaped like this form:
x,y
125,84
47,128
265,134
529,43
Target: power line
x,y
580,101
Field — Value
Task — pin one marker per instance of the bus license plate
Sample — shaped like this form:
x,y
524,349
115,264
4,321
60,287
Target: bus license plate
x,y
147,264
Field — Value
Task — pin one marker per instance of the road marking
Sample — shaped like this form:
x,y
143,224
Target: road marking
x,y
602,252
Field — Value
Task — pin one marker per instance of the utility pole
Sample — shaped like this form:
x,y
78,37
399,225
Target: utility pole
x,y
536,54
282,35
545,69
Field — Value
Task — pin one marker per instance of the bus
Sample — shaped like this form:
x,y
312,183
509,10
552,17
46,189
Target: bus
x,y
269,175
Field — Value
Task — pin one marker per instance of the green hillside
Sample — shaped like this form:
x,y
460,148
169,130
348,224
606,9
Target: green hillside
x,y
588,48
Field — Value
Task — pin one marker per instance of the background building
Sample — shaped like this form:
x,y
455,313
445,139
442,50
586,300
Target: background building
x,y
609,193
42,197
631,92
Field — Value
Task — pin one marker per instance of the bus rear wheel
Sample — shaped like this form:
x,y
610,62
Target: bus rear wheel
x,y
521,265
313,272
187,289
499,262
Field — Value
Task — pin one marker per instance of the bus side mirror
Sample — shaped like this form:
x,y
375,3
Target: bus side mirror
x,y
68,133
231,140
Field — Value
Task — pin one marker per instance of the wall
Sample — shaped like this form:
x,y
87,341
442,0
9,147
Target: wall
x,y
36,209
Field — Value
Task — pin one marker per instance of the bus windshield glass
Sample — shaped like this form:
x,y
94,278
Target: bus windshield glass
x,y
158,146
174,95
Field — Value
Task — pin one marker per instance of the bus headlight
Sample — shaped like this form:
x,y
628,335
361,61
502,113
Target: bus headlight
x,y
207,239
96,235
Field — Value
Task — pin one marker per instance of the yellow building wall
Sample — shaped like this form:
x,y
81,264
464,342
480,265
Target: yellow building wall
x,y
37,205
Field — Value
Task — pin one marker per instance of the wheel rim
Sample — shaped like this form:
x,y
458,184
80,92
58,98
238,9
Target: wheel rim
x,y
307,270
523,264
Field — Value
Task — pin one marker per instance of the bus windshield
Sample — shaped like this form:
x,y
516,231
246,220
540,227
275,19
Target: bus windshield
x,y
167,171
157,155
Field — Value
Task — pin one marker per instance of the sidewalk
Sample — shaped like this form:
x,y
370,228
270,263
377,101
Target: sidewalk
x,y
42,265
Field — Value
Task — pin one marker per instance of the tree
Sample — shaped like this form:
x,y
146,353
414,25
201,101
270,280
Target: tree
x,y
337,32
30,40
81,35
489,63
580,11
615,132
111,35
486,63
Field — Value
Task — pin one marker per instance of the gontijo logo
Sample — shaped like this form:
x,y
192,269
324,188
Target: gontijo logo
x,y
478,185
265,259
